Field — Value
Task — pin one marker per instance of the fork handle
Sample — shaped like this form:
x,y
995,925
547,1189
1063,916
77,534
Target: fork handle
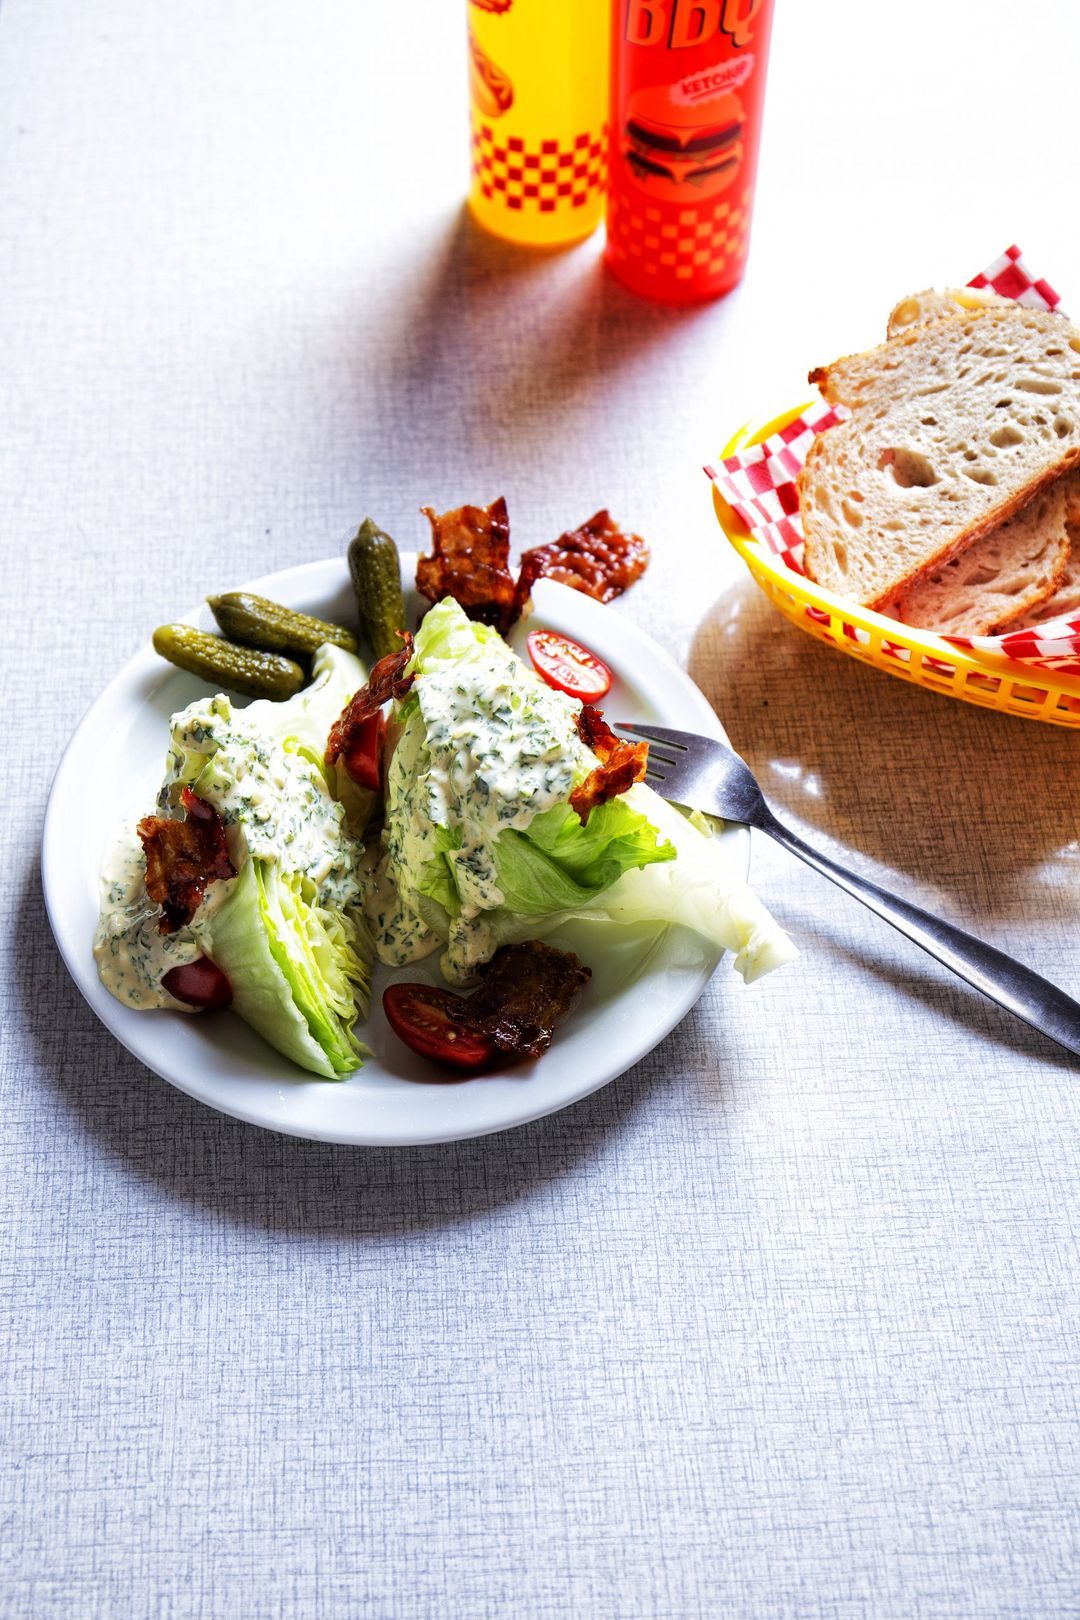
x,y
1009,983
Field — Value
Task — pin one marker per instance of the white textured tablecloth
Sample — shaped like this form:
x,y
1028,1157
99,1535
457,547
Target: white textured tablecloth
x,y
783,1322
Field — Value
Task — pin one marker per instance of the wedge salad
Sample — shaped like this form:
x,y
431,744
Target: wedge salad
x,y
286,930
449,803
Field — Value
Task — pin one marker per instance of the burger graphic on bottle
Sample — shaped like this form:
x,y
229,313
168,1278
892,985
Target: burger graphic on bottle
x,y
682,149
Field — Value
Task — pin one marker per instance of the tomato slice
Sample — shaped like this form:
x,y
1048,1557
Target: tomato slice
x,y
363,757
426,1019
568,666
200,983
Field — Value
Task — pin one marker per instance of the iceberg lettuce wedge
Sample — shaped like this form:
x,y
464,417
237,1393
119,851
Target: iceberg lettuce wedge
x,y
288,931
482,847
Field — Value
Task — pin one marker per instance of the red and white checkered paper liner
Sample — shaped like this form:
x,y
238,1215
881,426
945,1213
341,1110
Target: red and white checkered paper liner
x,y
759,485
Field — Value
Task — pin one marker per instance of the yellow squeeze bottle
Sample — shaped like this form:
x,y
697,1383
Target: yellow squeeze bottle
x,y
538,104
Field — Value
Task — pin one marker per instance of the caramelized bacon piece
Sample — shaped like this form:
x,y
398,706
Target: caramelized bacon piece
x,y
595,732
387,680
621,763
470,562
471,552
182,857
526,989
599,558
532,569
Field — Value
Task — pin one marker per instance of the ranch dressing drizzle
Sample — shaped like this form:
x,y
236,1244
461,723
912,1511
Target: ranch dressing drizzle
x,y
497,747
132,956
273,798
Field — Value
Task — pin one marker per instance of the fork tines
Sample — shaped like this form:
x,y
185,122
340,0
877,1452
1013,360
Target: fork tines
x,y
664,747
654,734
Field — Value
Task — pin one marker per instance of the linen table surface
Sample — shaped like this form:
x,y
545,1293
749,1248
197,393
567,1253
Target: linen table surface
x,y
784,1321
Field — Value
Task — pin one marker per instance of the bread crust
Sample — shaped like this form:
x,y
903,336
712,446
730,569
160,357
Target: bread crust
x,y
933,305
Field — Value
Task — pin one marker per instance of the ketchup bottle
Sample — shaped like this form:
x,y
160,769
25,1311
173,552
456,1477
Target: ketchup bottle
x,y
687,86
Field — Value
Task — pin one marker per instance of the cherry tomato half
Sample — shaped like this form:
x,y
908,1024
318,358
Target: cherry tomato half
x,y
363,757
567,666
200,983
424,1018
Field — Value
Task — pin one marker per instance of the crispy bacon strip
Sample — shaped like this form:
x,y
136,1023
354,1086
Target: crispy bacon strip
x,y
526,989
182,857
471,552
532,569
470,562
387,680
621,763
599,558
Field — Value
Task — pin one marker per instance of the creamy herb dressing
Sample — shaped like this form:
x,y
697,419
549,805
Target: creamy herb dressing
x,y
272,794
132,956
483,755
400,935
274,789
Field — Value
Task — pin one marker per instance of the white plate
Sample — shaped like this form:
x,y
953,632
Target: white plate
x,y
644,981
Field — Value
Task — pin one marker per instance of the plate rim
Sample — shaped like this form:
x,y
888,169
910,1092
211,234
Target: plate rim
x,y
320,578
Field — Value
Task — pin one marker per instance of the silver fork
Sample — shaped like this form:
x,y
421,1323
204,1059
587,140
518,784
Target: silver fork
x,y
703,774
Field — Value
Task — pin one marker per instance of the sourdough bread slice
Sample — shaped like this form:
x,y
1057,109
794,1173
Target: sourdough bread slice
x,y
1010,571
918,308
1064,601
954,425
998,579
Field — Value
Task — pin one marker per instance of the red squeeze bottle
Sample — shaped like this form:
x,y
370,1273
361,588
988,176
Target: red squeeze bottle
x,y
687,87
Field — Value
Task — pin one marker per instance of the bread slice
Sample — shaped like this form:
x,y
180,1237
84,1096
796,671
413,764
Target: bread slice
x,y
998,579
1064,601
954,426
918,308
1013,569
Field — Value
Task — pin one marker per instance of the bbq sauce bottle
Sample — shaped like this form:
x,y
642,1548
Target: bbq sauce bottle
x,y
538,101
687,87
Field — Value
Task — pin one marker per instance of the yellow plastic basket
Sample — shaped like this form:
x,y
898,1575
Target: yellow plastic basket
x,y
911,655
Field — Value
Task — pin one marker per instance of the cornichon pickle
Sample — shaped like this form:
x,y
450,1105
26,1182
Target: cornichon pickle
x,y
376,575
240,669
258,622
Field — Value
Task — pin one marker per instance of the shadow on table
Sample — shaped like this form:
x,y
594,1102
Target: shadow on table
x,y
915,978
968,811
497,358
285,1184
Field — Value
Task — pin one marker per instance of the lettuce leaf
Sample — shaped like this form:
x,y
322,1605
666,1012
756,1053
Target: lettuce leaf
x,y
699,890
691,883
335,676
447,639
296,973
